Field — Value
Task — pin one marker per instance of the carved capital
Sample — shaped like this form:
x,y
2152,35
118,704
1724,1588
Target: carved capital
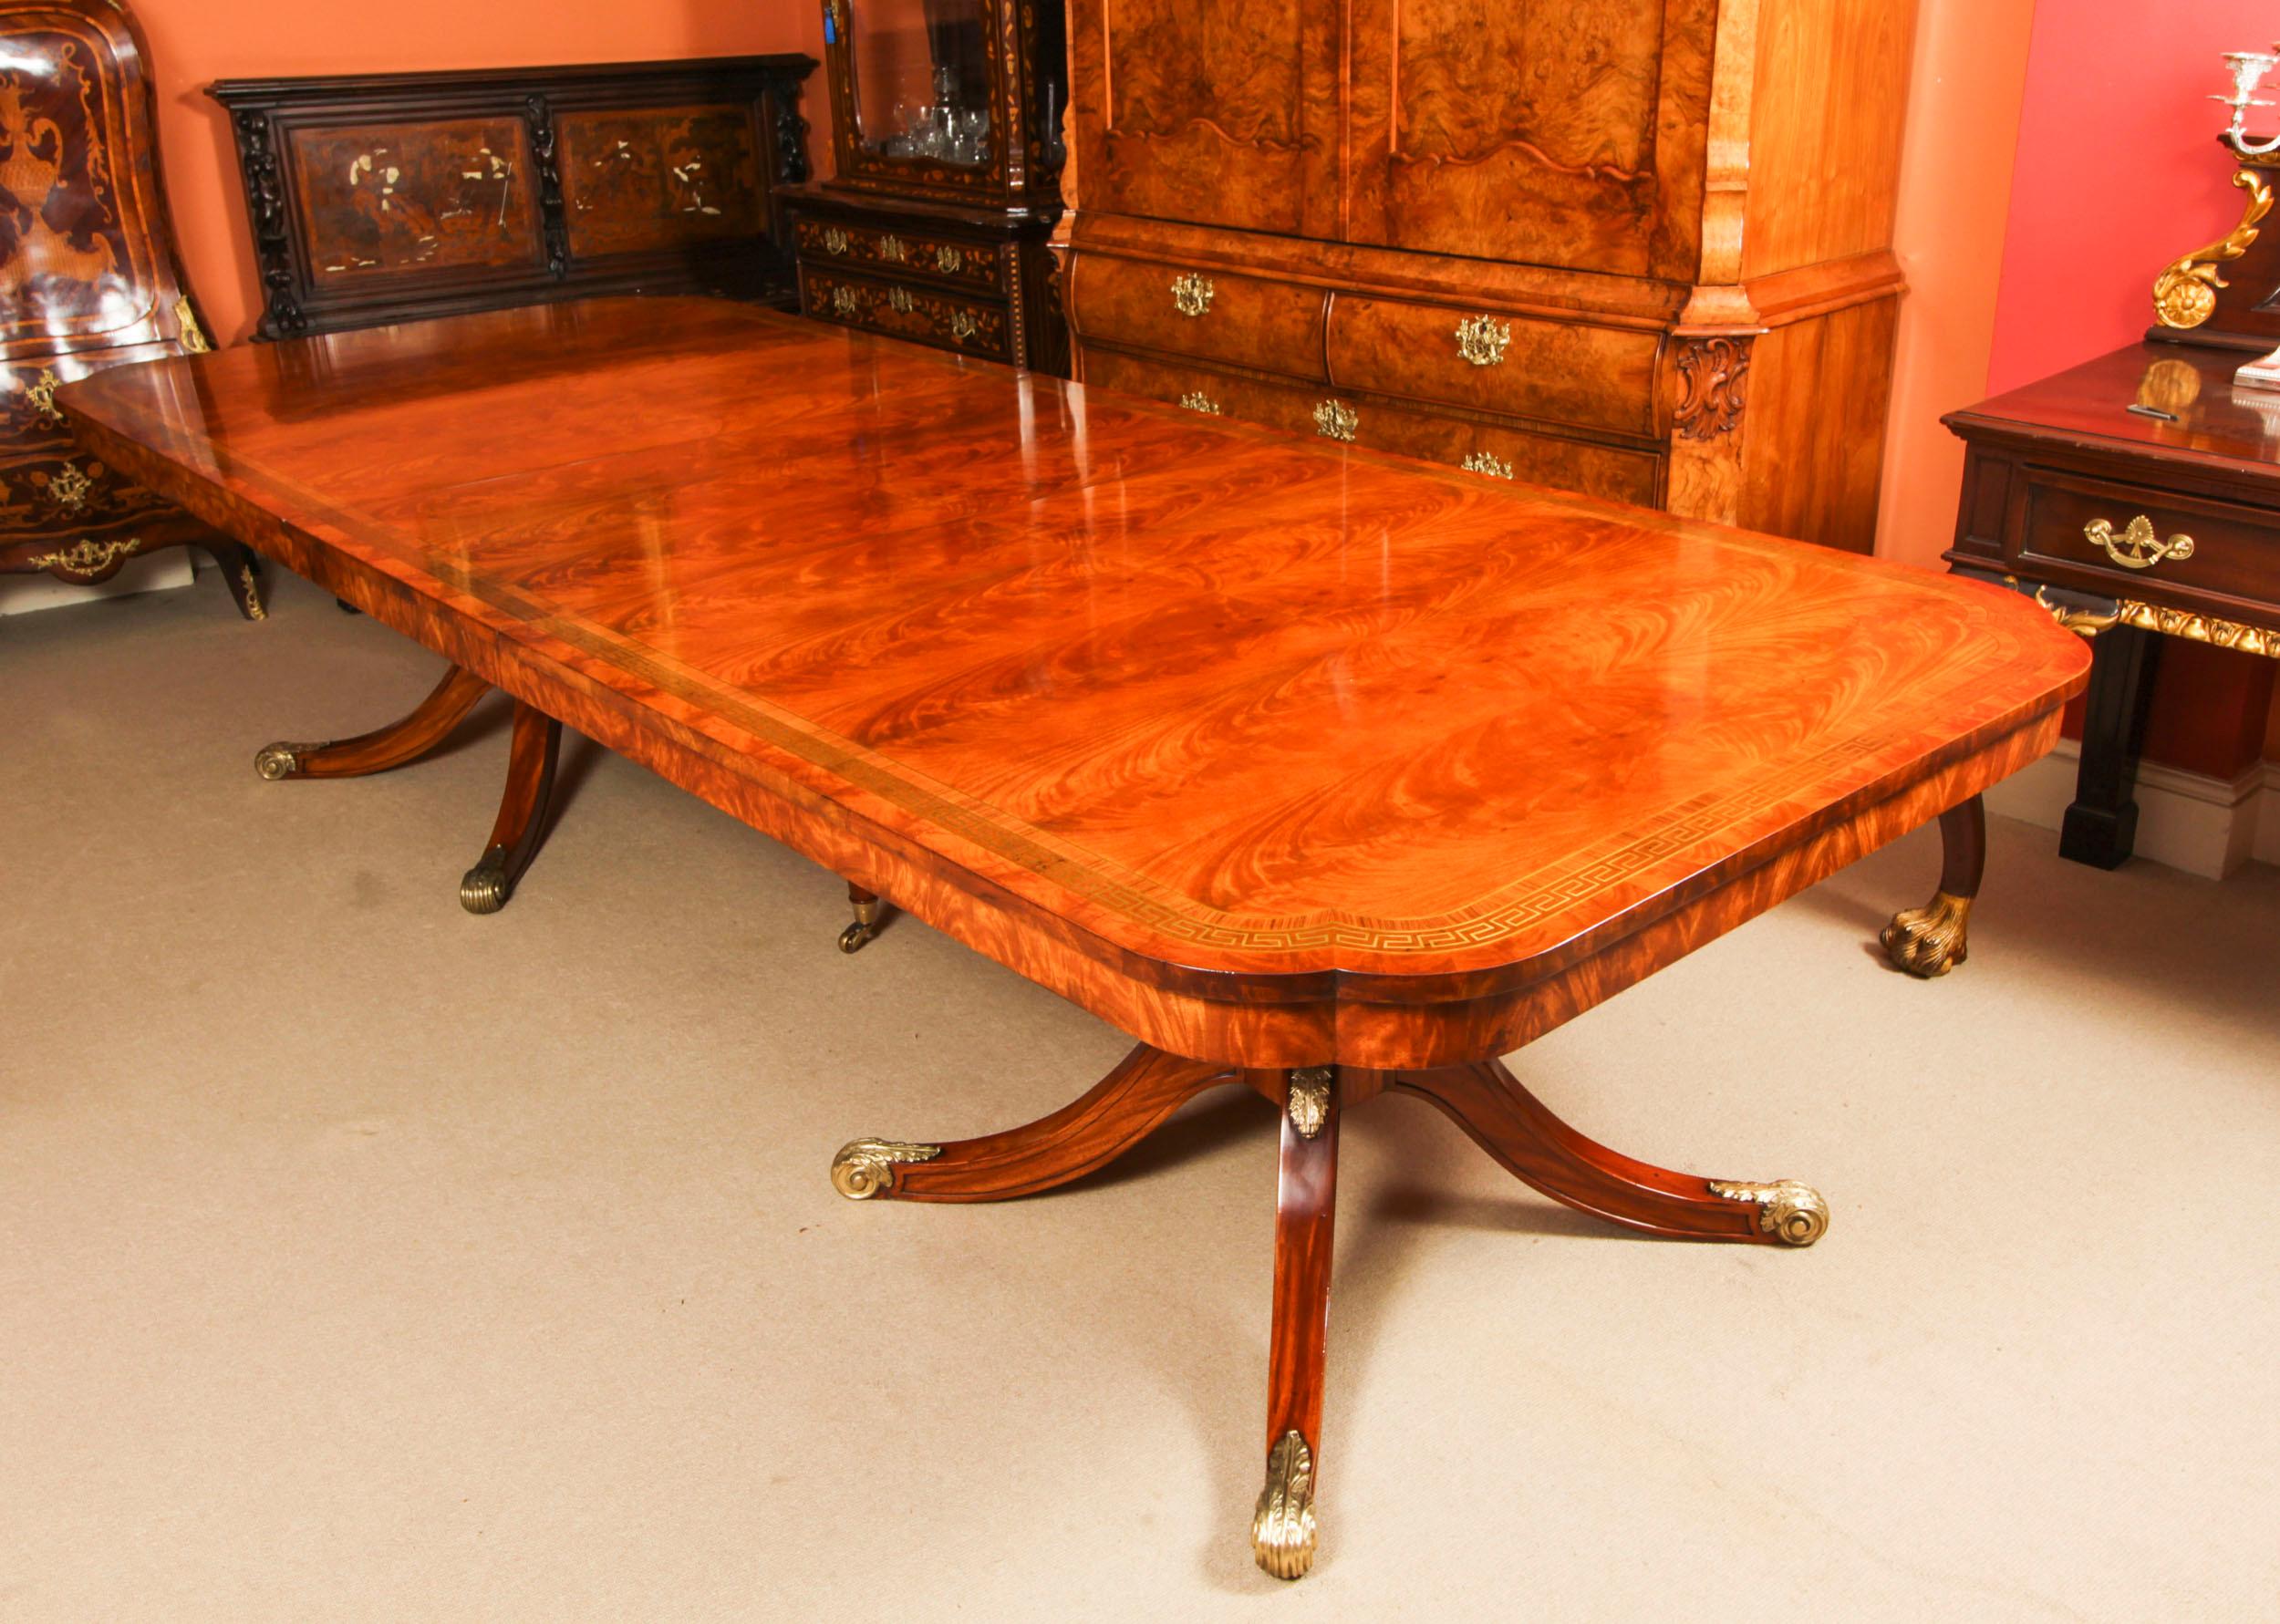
x,y
1792,1213
1714,379
866,1167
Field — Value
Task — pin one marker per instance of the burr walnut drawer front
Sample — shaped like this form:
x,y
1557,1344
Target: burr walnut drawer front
x,y
1246,321
2129,537
1557,372
1491,452
900,253
924,315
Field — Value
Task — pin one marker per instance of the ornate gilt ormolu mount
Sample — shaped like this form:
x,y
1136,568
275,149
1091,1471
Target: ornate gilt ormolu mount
x,y
1932,939
1307,1100
2185,295
1283,1525
866,1167
1790,1212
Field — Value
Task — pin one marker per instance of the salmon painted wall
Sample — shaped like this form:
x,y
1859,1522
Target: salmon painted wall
x,y
2117,173
194,42
1965,94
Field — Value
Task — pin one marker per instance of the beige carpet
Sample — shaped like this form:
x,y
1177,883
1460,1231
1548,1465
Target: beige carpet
x,y
361,1259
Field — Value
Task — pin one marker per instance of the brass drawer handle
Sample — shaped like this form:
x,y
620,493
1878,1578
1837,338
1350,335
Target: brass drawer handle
x,y
1191,294
891,247
1197,400
1480,339
2136,548
946,259
843,301
835,240
1490,463
963,325
1335,420
901,299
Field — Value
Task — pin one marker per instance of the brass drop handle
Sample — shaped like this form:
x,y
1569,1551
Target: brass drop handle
x,y
835,240
1480,339
963,325
2136,548
1191,294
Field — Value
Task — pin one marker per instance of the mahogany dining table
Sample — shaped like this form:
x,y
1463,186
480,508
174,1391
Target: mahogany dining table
x,y
1317,772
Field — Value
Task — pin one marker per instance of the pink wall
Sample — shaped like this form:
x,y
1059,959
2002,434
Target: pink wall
x,y
2119,172
193,42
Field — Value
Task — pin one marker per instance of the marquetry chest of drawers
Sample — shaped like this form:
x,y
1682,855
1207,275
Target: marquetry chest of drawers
x,y
975,281
2137,496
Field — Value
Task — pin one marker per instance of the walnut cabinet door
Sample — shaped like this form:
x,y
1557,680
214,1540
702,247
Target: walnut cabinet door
x,y
1554,133
1217,112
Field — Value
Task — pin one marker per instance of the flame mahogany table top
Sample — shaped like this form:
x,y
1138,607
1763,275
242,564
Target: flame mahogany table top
x,y
1263,749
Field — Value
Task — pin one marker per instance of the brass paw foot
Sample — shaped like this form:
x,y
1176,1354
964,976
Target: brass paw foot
x,y
483,889
1932,939
866,1167
1790,1212
281,760
1282,1527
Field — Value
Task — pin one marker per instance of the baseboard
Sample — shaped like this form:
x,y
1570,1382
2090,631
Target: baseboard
x,y
2206,826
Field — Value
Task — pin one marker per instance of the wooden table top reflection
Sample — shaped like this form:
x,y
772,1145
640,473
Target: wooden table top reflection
x,y
1231,718
1322,773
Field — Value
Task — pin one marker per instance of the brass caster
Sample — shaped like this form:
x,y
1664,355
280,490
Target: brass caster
x,y
483,889
1932,939
1792,1213
867,910
866,1167
278,761
1282,1527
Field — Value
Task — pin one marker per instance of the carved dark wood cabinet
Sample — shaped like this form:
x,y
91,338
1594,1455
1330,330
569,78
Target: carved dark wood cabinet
x,y
1637,248
91,279
946,133
389,197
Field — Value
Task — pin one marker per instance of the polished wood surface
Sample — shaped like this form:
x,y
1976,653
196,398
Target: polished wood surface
x,y
381,197
1687,241
1314,770
2158,433
1261,753
89,278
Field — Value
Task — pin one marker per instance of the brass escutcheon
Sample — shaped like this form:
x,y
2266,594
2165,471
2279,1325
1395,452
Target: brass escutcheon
x,y
1191,294
1480,339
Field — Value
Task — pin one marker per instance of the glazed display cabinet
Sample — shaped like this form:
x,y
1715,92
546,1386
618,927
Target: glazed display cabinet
x,y
945,139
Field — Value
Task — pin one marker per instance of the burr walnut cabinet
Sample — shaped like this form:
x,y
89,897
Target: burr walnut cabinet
x,y
1637,248
945,139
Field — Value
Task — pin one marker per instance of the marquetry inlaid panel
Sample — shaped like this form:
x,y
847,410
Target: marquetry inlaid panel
x,y
382,197
647,176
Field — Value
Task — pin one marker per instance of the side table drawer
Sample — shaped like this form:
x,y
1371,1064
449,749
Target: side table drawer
x,y
2131,538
